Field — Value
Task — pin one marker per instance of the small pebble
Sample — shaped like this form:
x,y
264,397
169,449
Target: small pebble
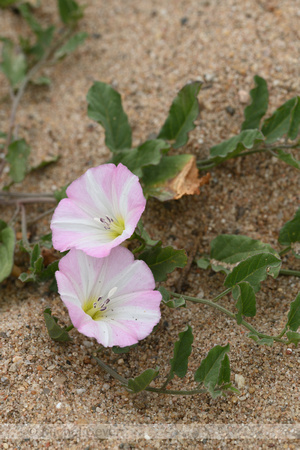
x,y
105,386
240,380
59,405
243,96
230,110
209,77
80,391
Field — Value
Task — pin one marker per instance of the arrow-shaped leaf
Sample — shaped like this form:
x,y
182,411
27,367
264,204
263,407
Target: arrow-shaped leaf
x,y
183,112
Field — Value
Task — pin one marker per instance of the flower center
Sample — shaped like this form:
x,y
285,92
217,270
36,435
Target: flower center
x,y
95,309
115,227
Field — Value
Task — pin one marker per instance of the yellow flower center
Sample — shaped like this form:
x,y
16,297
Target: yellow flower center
x,y
115,227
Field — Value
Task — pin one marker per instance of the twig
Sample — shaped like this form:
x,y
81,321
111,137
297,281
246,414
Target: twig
x,y
44,214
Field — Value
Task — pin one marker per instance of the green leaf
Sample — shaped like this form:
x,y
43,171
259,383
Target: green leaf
x,y
43,42
71,45
286,157
279,123
13,63
61,193
142,235
261,341
42,81
247,139
293,337
203,263
163,260
55,331
105,107
254,270
166,299
143,380
224,374
147,154
182,351
7,247
183,112
25,11
6,3
209,371
45,163
246,302
2,135
290,232
294,314
17,155
295,121
36,252
157,179
46,240
120,350
48,272
258,108
176,303
70,12
230,249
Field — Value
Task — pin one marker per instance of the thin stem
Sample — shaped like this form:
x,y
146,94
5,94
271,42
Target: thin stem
x,y
17,98
123,380
44,214
282,332
284,251
139,249
228,313
24,226
215,299
27,200
174,392
110,370
293,273
207,163
167,381
22,195
69,328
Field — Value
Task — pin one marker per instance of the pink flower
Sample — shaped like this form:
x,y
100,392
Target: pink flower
x,y
111,299
102,210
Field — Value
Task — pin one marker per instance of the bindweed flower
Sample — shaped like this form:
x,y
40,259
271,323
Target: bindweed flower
x,y
111,299
102,210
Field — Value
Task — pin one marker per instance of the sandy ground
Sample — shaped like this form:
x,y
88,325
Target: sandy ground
x,y
148,50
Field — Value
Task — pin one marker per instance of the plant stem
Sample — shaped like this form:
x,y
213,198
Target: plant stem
x,y
285,250
24,226
229,314
69,328
22,195
16,98
161,390
27,200
204,164
174,392
110,370
215,299
293,273
44,214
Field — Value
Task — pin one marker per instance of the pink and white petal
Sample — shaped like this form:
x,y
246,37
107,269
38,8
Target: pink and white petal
x,y
83,273
130,277
147,300
99,330
128,195
92,191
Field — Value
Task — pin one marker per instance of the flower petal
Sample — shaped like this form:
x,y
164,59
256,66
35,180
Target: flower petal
x,y
102,191
133,307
